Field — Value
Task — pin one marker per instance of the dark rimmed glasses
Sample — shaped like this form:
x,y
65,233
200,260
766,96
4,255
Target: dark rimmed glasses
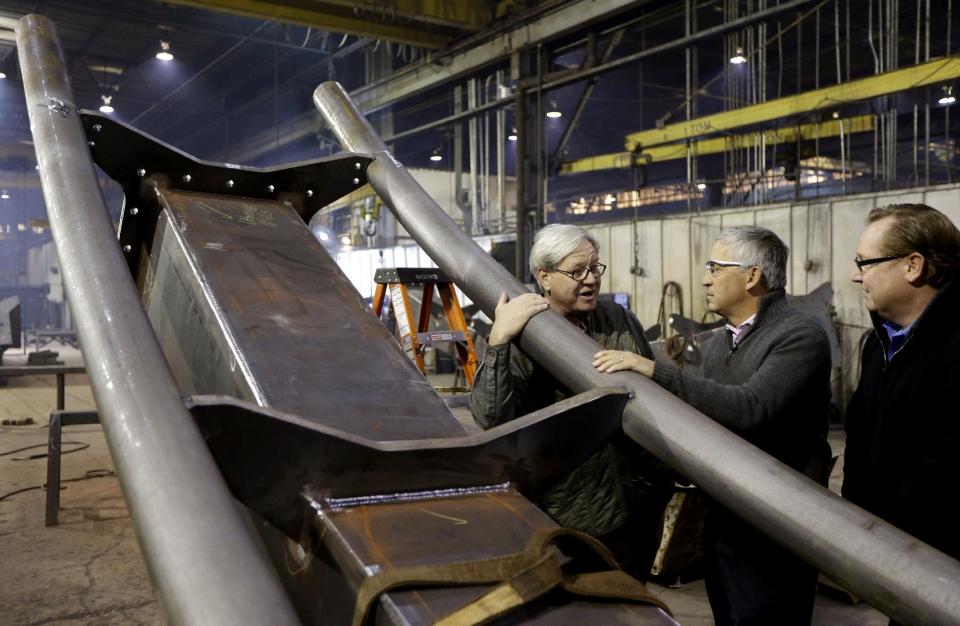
x,y
862,263
581,272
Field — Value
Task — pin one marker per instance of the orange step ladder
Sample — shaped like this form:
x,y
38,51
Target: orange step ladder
x,y
397,280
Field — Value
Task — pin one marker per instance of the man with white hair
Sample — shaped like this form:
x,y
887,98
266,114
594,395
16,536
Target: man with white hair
x,y
610,495
768,382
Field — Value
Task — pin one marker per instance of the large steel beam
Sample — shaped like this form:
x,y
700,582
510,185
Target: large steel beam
x,y
423,23
895,572
204,562
933,72
670,152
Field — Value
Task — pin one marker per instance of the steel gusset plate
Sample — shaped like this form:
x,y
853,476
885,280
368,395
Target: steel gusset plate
x,y
320,462
131,157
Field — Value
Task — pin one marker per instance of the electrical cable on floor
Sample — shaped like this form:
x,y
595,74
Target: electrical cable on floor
x,y
80,446
95,473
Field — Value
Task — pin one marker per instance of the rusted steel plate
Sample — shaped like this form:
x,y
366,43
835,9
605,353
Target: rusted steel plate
x,y
368,539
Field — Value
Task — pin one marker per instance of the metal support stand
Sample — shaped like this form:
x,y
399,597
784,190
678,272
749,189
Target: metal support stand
x,y
59,419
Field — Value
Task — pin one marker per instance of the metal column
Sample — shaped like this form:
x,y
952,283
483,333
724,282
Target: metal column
x,y
206,566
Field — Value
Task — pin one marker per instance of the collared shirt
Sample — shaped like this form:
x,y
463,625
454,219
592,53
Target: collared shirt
x,y
739,332
897,337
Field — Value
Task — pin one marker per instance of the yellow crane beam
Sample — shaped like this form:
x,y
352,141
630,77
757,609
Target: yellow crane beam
x,y
423,23
937,71
657,154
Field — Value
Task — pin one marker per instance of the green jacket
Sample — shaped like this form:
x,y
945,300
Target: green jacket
x,y
598,496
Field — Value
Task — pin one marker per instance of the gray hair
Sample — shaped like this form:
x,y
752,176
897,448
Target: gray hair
x,y
755,245
554,242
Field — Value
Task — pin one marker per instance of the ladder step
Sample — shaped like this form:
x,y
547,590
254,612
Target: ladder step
x,y
409,275
441,336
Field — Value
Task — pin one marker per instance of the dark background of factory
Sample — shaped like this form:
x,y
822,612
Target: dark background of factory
x,y
650,123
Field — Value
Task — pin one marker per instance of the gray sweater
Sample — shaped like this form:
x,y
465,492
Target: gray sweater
x,y
772,389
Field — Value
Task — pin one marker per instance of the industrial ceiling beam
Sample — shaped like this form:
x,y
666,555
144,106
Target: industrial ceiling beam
x,y
669,152
422,23
472,56
932,72
457,63
478,52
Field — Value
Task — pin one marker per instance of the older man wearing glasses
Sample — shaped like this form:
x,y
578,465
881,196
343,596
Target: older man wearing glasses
x,y
768,382
606,496
902,456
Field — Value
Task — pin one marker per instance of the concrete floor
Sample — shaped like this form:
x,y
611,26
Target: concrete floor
x,y
88,569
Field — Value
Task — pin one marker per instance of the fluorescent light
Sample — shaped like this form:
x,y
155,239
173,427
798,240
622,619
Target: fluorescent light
x,y
4,195
701,186
738,58
554,111
436,157
105,107
513,135
164,54
948,97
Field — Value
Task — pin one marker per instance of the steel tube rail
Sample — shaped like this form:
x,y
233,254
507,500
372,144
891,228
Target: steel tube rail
x,y
893,571
205,564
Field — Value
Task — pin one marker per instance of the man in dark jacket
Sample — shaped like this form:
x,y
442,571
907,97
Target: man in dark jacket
x,y
603,495
902,457
769,382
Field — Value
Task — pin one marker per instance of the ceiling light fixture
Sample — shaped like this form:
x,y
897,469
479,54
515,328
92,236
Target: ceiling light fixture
x,y
4,194
2,75
164,54
554,111
345,240
738,58
436,156
105,107
701,186
513,135
948,97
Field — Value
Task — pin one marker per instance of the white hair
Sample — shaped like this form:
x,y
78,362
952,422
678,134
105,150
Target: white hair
x,y
554,242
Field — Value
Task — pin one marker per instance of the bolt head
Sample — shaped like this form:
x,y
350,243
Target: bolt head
x,y
356,181
97,128
230,184
127,248
141,172
187,178
356,165
309,193
270,188
134,210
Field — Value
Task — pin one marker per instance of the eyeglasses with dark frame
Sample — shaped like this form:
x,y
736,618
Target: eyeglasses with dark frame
x,y
581,272
712,266
862,263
